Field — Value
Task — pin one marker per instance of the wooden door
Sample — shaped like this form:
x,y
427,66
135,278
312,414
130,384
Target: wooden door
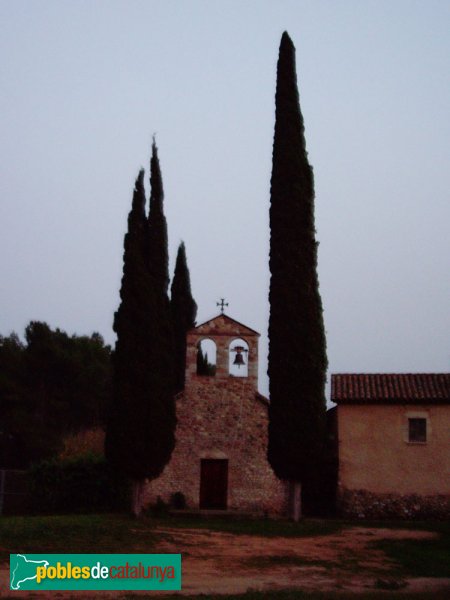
x,y
214,483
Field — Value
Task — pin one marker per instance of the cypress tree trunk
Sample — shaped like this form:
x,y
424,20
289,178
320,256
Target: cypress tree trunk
x,y
136,496
295,500
297,355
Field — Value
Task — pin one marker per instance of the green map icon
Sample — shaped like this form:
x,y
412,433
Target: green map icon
x,y
23,569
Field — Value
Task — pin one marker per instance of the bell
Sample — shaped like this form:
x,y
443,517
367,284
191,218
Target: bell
x,y
238,360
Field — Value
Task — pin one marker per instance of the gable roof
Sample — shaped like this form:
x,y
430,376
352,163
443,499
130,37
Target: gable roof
x,y
390,388
221,325
262,399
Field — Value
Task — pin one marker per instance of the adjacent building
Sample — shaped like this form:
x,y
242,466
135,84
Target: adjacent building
x,y
393,444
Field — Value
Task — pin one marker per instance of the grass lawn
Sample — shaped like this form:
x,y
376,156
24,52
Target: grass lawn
x,y
260,527
75,534
109,533
419,558
117,533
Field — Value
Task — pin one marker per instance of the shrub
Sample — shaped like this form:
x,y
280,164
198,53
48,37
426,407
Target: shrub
x,y
76,484
178,501
158,508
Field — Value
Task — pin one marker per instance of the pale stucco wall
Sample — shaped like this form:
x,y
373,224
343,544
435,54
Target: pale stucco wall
x,y
374,453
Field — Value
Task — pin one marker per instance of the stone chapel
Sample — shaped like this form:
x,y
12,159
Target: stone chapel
x,y
220,456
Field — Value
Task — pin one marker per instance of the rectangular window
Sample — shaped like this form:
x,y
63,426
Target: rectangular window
x,y
417,430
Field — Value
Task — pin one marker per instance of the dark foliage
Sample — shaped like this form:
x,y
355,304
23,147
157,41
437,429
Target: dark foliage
x,y
157,253
52,385
178,501
132,323
201,361
297,356
161,345
140,433
82,484
204,367
184,311
419,558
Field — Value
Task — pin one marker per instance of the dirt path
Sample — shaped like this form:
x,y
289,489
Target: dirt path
x,y
225,563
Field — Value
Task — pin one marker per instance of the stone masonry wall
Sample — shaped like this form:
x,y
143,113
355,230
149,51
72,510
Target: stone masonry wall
x,y
361,504
228,423
222,417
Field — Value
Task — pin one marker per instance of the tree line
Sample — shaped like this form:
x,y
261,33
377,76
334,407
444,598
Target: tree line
x,y
54,384
51,385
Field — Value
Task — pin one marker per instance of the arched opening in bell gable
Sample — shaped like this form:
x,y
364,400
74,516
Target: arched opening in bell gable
x,y
206,358
238,358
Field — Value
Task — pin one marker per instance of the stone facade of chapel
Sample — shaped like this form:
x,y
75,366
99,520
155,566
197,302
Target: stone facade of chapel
x,y
220,457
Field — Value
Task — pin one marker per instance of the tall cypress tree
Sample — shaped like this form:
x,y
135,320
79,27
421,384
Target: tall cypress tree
x,y
161,350
157,251
140,432
297,347
124,446
184,311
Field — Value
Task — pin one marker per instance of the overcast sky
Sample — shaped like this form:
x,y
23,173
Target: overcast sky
x,y
85,84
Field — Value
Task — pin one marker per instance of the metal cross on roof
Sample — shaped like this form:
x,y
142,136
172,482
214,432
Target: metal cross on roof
x,y
222,305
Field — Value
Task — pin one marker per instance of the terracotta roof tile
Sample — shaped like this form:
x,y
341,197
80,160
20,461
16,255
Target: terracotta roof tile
x,y
390,388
